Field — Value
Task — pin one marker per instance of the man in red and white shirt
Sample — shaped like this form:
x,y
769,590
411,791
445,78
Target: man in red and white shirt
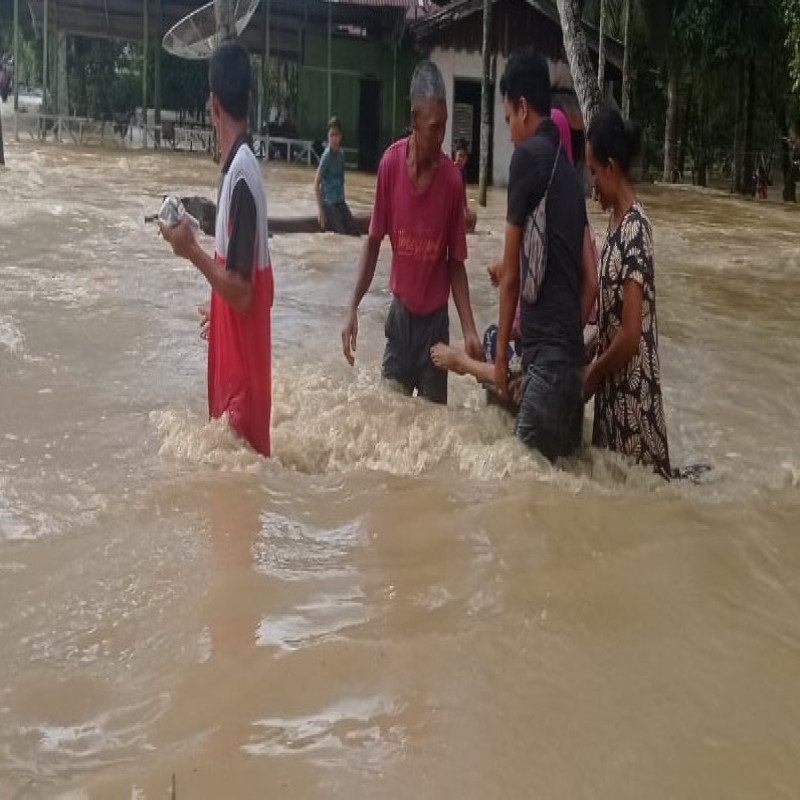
x,y
240,273
419,203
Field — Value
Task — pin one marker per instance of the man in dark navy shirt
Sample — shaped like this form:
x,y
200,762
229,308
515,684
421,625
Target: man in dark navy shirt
x,y
551,410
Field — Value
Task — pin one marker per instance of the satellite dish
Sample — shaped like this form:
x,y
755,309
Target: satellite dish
x,y
200,33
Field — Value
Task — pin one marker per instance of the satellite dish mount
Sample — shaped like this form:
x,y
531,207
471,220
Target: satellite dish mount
x,y
200,33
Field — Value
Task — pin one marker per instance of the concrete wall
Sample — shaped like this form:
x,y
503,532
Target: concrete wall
x,y
459,64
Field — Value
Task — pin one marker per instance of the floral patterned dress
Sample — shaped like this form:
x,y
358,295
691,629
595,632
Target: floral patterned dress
x,y
628,408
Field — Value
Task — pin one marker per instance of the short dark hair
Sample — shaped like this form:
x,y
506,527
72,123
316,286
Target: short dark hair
x,y
461,144
527,75
229,78
613,138
334,124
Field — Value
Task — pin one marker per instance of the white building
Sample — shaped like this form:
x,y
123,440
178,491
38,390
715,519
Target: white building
x,y
452,38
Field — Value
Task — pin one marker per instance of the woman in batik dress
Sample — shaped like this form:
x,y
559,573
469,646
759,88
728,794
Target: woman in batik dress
x,y
625,378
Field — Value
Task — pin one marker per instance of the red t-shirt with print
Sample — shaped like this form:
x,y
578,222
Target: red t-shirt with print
x,y
426,229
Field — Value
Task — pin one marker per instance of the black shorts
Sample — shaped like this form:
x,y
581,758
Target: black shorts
x,y
407,358
338,219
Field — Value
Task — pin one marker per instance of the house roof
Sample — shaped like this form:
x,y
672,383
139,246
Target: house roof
x,y
438,22
415,9
124,19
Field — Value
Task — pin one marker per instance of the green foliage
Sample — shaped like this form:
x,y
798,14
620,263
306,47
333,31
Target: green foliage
x,y
184,83
29,69
100,78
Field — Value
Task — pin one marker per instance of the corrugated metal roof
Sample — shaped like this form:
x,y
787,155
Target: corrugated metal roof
x,y
437,19
424,6
416,10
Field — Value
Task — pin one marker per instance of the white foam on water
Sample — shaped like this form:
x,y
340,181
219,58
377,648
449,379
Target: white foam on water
x,y
11,338
187,438
121,731
322,618
32,514
363,731
322,424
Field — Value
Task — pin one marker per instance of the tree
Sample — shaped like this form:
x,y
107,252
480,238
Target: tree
x,y
791,11
580,63
486,99
601,48
626,60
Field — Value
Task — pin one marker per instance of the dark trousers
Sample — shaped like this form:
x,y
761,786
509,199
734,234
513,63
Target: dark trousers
x,y
550,415
338,219
407,357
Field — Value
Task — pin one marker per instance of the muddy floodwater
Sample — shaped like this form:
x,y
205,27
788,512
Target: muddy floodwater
x,y
403,602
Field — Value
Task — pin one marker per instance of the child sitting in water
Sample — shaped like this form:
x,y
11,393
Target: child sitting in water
x,y
334,213
450,359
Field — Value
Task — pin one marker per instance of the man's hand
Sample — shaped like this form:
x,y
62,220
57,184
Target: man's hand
x,y
496,273
349,336
205,320
321,217
473,346
181,236
501,374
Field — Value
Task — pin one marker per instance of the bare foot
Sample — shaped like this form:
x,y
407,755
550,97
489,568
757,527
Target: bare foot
x,y
447,358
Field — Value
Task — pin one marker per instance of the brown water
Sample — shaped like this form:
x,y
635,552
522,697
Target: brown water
x,y
403,602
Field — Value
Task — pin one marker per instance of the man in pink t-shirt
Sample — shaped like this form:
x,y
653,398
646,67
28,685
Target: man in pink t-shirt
x,y
419,203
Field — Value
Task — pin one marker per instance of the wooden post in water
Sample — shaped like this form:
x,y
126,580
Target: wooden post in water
x,y
157,70
483,178
45,59
330,96
394,89
16,55
144,73
265,65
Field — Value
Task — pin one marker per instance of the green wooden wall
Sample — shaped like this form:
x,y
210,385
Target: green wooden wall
x,y
351,60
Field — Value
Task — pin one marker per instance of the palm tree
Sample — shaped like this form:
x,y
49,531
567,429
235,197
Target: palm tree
x,y
486,99
580,64
626,60
590,89
601,48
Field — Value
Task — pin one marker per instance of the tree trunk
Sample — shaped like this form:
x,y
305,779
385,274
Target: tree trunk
x,y
671,126
748,160
736,177
601,49
580,64
486,98
787,162
61,86
626,61
683,140
157,70
702,137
